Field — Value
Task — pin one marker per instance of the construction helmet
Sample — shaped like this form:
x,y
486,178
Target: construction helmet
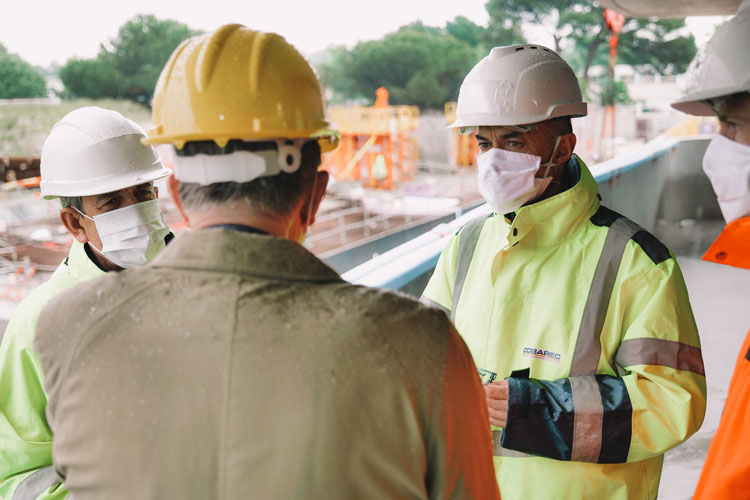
x,y
517,85
721,68
94,151
236,83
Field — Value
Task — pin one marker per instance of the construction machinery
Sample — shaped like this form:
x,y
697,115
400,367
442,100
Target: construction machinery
x,y
463,147
377,147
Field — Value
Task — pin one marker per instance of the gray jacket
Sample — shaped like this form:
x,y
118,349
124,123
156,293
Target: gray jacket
x,y
239,366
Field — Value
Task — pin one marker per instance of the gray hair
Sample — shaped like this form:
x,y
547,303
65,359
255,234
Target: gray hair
x,y
275,194
72,201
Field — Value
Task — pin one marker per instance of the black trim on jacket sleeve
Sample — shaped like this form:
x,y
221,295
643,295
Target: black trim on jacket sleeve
x,y
650,244
541,418
617,421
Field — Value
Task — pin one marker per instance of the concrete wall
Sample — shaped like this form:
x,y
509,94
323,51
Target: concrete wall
x,y
667,187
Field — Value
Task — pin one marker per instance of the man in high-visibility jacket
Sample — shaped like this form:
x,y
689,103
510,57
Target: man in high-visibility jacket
x,y
93,160
719,84
578,319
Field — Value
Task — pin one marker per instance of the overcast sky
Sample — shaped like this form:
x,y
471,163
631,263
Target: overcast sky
x,y
43,31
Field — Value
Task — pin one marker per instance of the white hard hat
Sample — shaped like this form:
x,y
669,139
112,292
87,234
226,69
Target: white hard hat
x,y
518,85
722,66
95,151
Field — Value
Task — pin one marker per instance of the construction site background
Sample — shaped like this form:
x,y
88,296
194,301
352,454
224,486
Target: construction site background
x,y
397,167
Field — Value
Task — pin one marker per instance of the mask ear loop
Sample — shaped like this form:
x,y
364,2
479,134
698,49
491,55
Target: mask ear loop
x,y
91,245
549,164
83,214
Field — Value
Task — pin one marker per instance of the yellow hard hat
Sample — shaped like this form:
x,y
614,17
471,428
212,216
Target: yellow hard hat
x,y
236,83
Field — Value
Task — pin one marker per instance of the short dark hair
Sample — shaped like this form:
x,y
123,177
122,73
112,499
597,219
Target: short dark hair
x,y
561,125
274,194
716,103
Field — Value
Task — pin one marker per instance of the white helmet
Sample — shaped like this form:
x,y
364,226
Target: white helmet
x,y
722,66
517,85
94,151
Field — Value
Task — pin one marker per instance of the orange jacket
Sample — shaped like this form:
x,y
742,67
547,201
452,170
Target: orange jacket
x,y
726,471
732,247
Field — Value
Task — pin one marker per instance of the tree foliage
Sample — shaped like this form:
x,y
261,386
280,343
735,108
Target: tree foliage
x,y
420,65
18,79
465,30
577,26
90,78
129,65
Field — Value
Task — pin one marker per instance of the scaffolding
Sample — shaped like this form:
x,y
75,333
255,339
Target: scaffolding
x,y
463,147
377,147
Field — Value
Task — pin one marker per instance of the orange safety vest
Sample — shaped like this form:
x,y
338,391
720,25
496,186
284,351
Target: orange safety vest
x,y
726,471
732,247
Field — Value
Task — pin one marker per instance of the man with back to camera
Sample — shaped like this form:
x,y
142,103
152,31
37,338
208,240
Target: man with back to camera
x,y
577,318
94,161
719,84
238,365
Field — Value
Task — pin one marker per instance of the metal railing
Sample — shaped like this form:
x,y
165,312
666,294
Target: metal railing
x,y
633,184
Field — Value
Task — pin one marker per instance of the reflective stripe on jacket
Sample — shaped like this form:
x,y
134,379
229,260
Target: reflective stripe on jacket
x,y
588,315
25,437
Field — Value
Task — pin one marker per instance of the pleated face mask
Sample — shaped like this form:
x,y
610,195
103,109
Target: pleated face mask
x,y
727,165
507,179
131,236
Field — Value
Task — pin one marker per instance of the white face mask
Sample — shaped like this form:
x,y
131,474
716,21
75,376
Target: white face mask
x,y
507,179
727,165
131,236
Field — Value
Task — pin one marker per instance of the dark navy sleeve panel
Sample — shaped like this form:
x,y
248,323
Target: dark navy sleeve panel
x,y
542,418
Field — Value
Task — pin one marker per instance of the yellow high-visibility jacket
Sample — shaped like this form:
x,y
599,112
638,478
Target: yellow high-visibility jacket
x,y
26,471
588,315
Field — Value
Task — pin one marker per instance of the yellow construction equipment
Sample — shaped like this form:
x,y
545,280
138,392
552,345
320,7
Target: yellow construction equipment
x,y
376,145
463,148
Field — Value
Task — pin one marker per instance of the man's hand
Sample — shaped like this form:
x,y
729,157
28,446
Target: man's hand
x,y
497,402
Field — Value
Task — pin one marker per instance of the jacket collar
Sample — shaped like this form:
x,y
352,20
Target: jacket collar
x,y
228,251
79,265
551,221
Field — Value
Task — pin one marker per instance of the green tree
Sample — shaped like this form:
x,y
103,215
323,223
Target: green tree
x,y
504,27
128,66
419,65
466,30
91,78
510,14
18,79
658,45
140,51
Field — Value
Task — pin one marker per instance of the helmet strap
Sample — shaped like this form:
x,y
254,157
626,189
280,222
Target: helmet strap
x,y
549,164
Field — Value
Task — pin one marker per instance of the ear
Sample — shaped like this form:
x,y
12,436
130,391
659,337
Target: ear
x,y
72,222
321,185
173,185
565,149
156,192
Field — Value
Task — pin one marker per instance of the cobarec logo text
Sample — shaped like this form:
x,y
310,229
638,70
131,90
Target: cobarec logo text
x,y
532,352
